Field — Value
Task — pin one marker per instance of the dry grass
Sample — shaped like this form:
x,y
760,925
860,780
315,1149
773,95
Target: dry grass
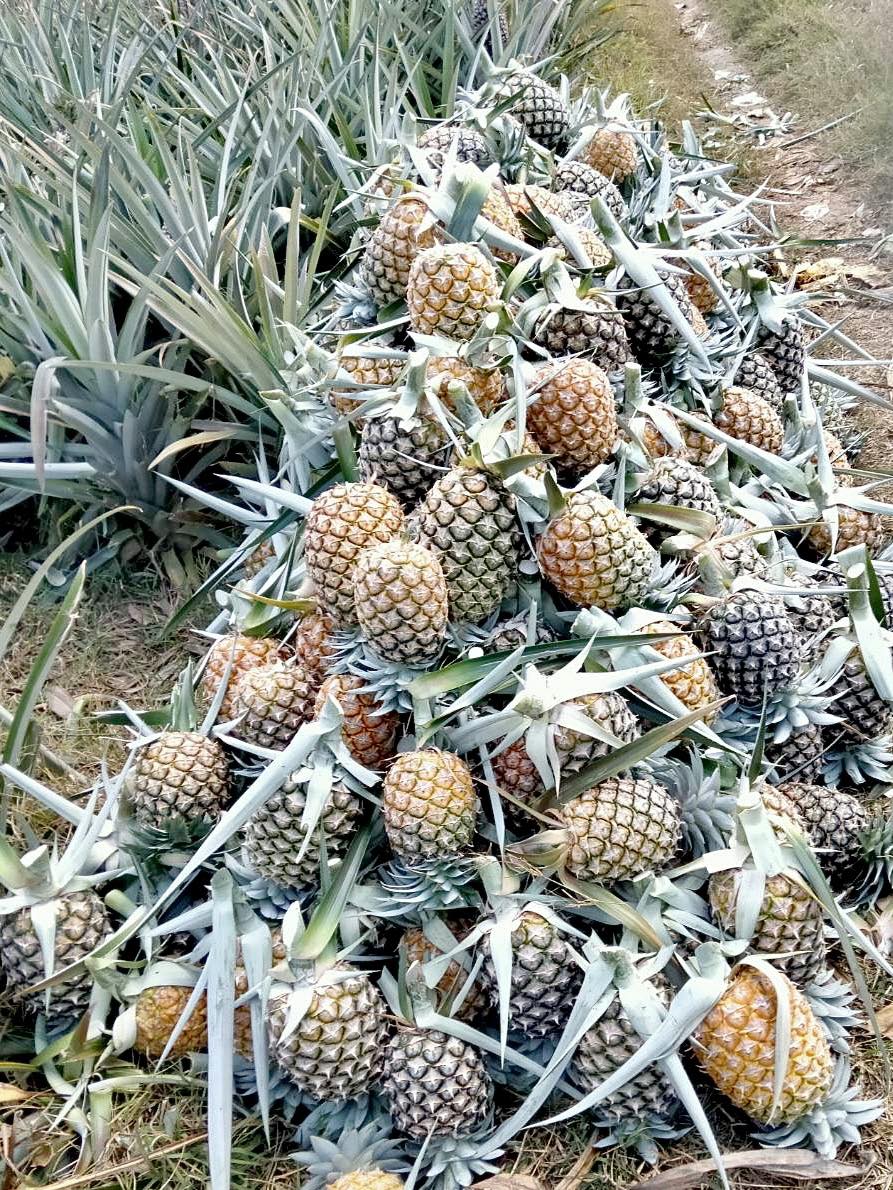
x,y
826,59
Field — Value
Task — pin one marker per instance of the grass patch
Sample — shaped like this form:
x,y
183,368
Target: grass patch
x,y
826,59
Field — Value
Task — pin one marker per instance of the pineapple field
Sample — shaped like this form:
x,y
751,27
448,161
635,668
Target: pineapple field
x,y
505,801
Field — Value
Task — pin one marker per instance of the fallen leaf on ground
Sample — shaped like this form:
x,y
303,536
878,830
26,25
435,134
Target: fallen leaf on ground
x,y
885,1020
798,1164
507,1181
10,1094
60,702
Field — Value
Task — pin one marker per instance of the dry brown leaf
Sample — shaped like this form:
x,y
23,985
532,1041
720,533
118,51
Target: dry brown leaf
x,y
59,702
9,1094
798,1164
885,1020
511,1181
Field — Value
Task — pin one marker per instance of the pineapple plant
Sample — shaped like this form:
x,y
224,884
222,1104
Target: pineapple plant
x,y
436,1085
749,417
468,520
273,701
429,805
406,457
273,840
789,922
580,178
538,106
238,654
572,413
594,555
736,1045
596,255
527,200
344,521
589,326
854,527
693,682
368,729
450,290
545,977
400,595
613,152
331,1046
652,336
755,645
679,483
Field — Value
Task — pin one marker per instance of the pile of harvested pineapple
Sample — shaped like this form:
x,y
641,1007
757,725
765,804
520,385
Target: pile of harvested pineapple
x,y
540,753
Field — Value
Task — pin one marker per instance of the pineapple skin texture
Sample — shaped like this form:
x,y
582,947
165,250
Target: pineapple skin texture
x,y
693,683
313,644
450,291
487,388
613,153
180,775
246,653
593,553
275,700
572,415
622,827
370,736
420,949
335,1052
157,1011
400,594
750,418
436,1084
368,1179
344,521
545,978
393,247
429,805
735,1045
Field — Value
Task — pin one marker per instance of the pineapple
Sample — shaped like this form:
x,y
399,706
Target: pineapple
x,y
598,254
854,527
368,730
594,555
798,757
725,557
836,822
436,1085
652,336
572,413
545,977
480,22
693,683
621,828
539,108
403,456
580,178
757,649
486,387
274,701
400,595
701,292
613,152
468,520
516,772
450,291
467,144
736,1046
80,923
368,1179
864,714
402,233
179,775
790,919
811,615
158,1010
332,1047
245,652
368,372
418,948
509,634
526,200
677,482
755,374
344,521
273,836
314,648
258,558
750,418
596,330
696,447
786,353
604,1048
429,805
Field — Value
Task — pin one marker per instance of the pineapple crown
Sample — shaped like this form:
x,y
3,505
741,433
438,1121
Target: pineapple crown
x,y
832,1001
833,1122
707,810
641,1133
369,1147
859,762
786,711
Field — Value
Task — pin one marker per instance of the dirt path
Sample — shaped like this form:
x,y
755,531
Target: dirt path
x,y
818,198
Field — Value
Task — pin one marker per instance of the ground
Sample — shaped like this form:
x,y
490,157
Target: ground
x,y
119,648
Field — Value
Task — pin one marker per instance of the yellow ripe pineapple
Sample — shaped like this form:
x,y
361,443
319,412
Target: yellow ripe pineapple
x,y
368,1179
400,595
245,652
402,233
599,254
369,732
274,700
701,292
451,290
736,1045
571,414
344,521
368,371
158,1009
486,386
750,417
594,554
313,644
693,683
498,210
697,447
620,828
429,805
420,949
258,558
613,152
854,527
526,201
